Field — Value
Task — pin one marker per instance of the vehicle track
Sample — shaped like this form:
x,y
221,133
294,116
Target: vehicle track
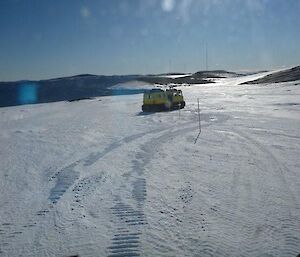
x,y
132,217
68,177
125,215
65,179
237,212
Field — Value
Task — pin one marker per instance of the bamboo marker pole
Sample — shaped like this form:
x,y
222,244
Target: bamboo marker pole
x,y
199,116
199,121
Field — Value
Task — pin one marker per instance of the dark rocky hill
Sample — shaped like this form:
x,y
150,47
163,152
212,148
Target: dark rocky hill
x,y
292,74
58,89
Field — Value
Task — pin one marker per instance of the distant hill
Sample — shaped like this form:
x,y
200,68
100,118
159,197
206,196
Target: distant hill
x,y
85,86
200,77
292,74
216,74
169,80
59,89
170,73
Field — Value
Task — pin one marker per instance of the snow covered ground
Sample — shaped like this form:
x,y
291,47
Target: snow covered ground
x,y
100,178
175,76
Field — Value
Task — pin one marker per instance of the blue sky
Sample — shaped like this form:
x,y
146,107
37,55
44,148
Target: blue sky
x,y
46,39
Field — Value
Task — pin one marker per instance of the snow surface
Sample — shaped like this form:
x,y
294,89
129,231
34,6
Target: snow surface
x,y
175,76
100,178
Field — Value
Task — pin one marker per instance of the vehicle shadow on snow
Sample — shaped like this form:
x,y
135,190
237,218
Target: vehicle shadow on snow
x,y
144,113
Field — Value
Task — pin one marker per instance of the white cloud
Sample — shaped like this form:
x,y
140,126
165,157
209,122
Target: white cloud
x,y
167,5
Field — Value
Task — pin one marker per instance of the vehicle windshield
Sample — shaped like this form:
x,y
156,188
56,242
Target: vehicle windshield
x,y
149,128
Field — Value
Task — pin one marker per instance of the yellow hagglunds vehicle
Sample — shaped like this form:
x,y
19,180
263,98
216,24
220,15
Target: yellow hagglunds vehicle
x,y
162,100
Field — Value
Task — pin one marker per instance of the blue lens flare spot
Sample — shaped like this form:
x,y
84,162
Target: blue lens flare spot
x,y
28,93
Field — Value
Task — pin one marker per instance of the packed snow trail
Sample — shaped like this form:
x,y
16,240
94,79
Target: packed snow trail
x,y
100,178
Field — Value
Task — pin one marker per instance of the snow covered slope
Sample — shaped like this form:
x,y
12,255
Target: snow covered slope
x,y
100,178
286,75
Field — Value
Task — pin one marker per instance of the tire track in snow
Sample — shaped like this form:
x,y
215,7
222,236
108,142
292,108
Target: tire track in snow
x,y
126,240
127,215
67,176
122,244
10,232
94,157
139,192
65,179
